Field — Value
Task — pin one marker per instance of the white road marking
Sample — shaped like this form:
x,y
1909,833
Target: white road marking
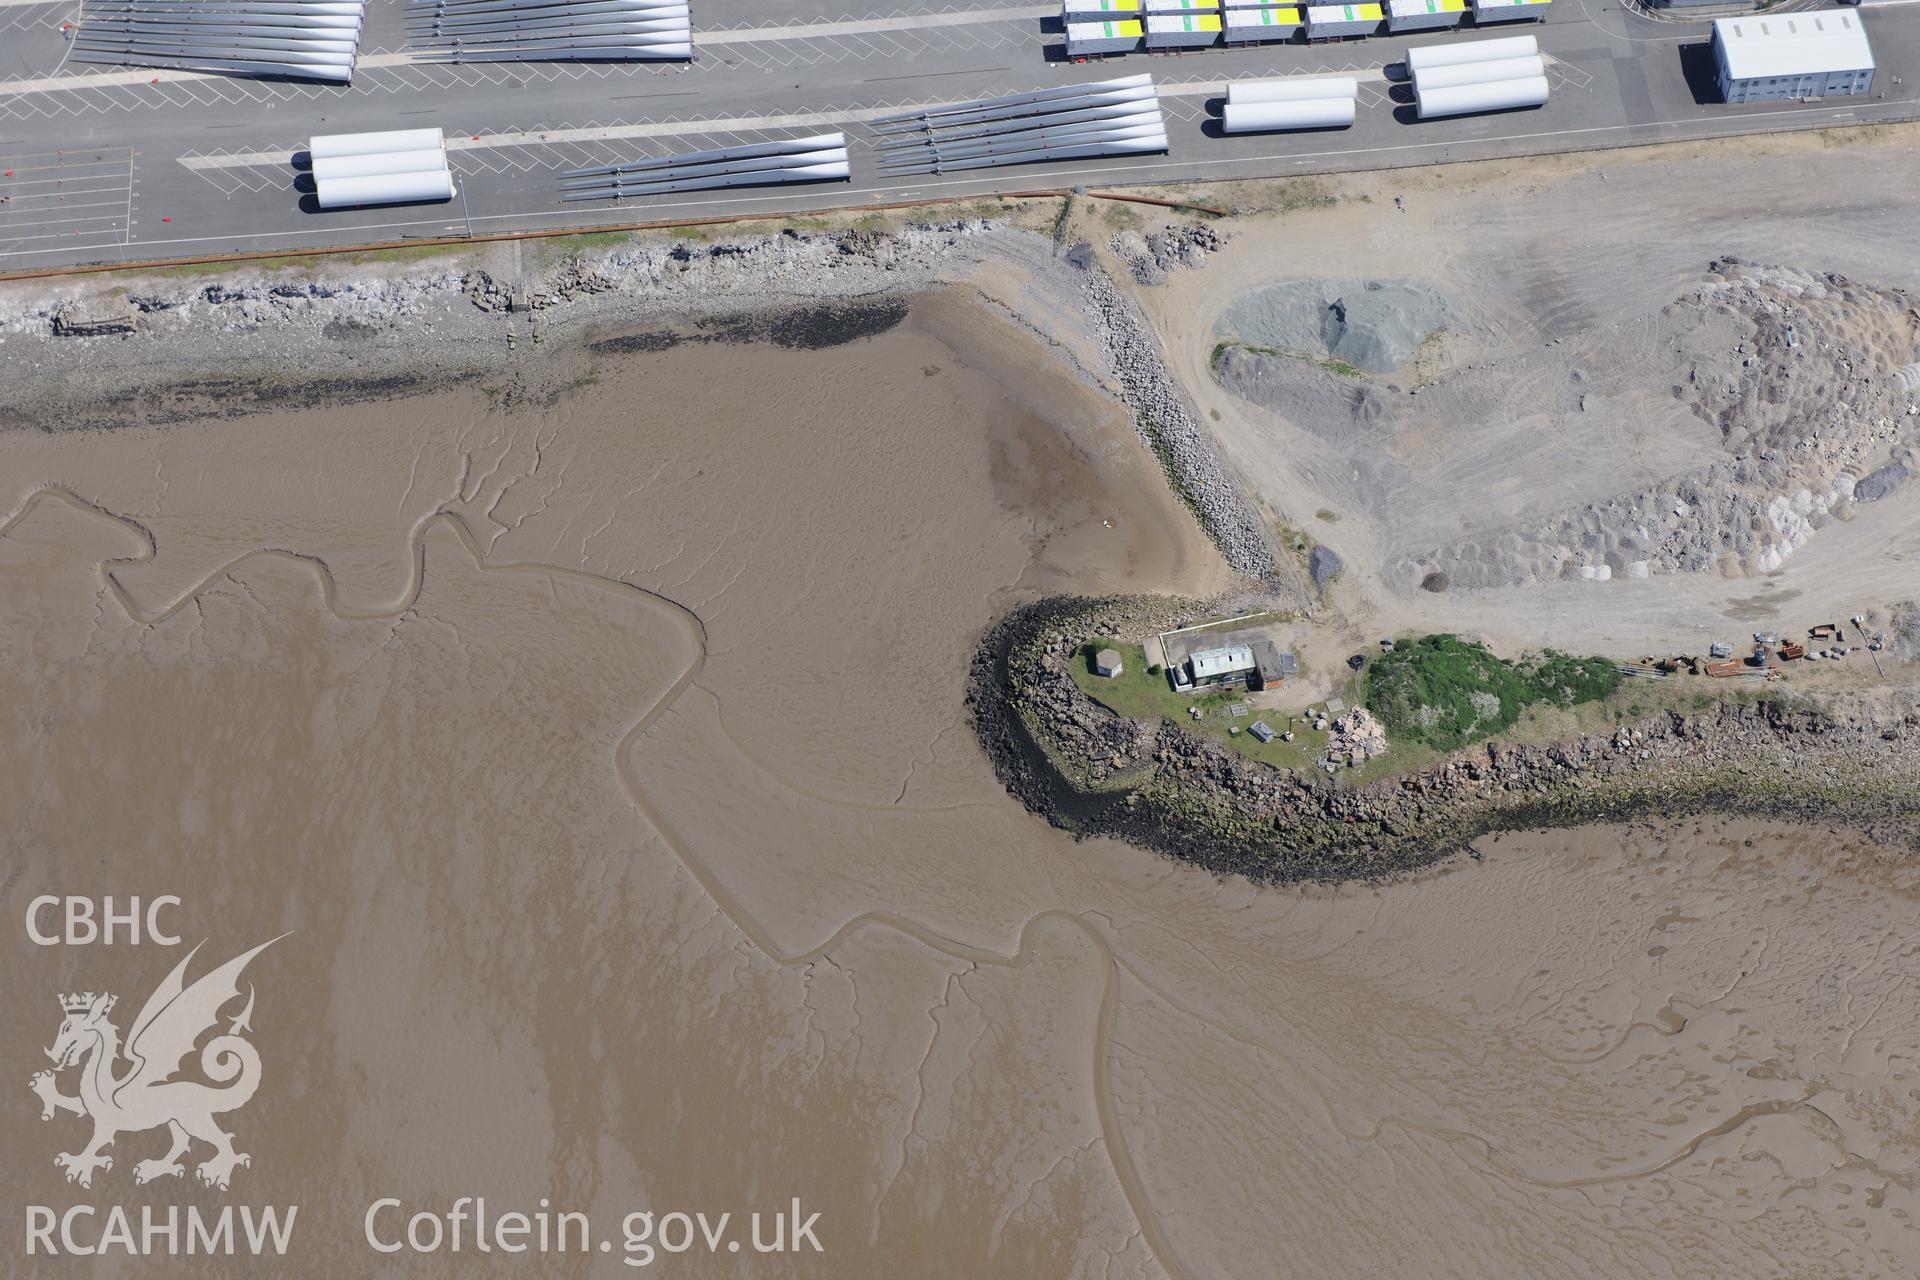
x,y
677,128
906,22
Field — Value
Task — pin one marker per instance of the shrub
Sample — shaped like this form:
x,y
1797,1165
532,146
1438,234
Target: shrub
x,y
1447,693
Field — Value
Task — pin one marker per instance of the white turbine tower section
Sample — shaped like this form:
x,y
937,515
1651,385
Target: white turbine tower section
x,y
302,39
1240,92
1492,95
1420,57
1303,113
552,30
400,166
1460,73
1264,106
378,164
332,146
822,157
1103,118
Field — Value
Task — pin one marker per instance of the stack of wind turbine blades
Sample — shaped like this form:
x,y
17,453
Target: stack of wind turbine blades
x,y
552,30
1135,140
1104,118
820,158
1107,111
506,14
1013,117
990,108
308,39
1154,145
1026,139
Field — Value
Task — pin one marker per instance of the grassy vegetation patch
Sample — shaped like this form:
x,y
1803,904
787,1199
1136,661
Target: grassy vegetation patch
x,y
1445,693
1331,364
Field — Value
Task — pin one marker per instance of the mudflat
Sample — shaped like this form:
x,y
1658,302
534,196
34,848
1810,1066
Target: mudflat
x,y
599,737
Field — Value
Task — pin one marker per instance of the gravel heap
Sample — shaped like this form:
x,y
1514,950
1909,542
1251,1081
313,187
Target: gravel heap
x,y
1161,415
1806,407
1904,636
1373,325
1174,247
1801,407
1325,565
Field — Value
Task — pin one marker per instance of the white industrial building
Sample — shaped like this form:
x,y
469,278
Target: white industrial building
x,y
1793,55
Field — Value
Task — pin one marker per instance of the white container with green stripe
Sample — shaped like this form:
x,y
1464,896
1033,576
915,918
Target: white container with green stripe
x,y
1191,31
1091,39
1072,11
1261,26
1425,15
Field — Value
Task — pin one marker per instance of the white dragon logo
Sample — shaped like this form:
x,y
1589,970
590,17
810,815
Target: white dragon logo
x,y
147,1096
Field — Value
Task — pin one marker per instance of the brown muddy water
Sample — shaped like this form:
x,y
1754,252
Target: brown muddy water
x,y
598,738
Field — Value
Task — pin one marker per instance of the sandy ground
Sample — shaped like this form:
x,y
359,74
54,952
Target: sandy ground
x,y
607,757
1553,263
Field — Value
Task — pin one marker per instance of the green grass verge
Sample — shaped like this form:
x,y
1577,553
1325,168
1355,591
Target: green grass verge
x,y
1140,694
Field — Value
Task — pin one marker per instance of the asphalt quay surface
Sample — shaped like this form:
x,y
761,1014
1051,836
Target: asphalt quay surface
x,y
124,164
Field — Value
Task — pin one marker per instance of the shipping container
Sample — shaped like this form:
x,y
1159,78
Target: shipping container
x,y
1339,21
1264,26
1073,11
1486,11
1479,73
1292,90
1265,117
1425,15
1179,8
1467,99
1457,51
1194,31
1087,39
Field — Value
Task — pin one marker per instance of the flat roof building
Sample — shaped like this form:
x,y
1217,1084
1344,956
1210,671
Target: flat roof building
x,y
1216,666
1768,57
1274,666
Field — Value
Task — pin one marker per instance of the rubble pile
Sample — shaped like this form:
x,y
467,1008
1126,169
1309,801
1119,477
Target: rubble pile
x,y
1356,737
1172,248
1810,407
